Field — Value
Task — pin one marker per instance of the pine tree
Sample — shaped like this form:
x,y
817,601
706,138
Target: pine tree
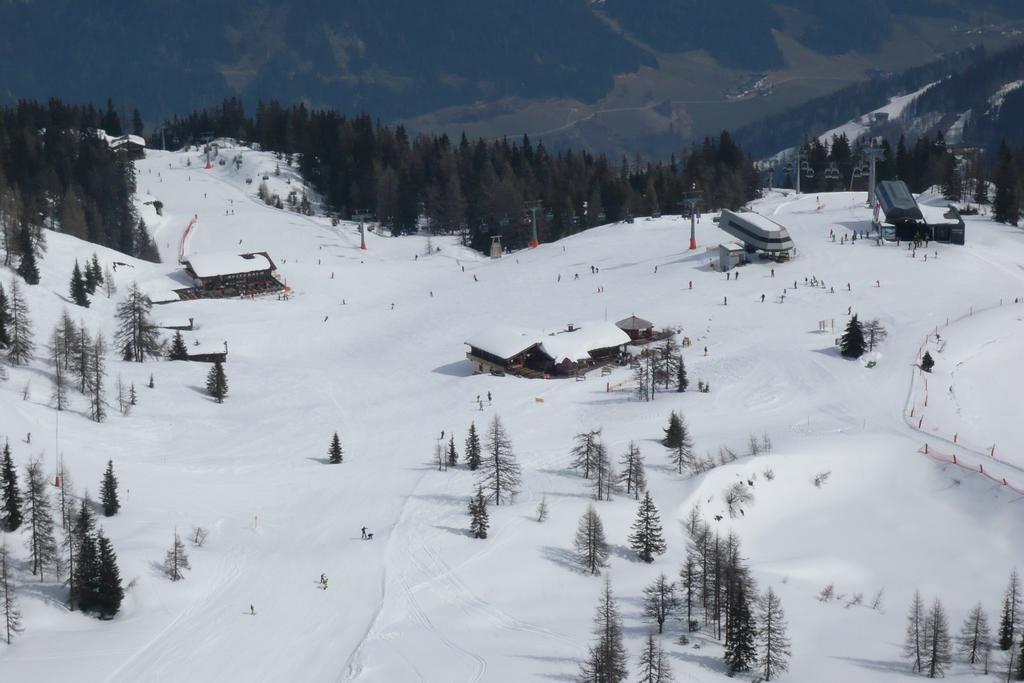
x,y
673,433
1011,616
20,347
82,549
41,543
1006,205
976,636
97,369
79,292
590,545
133,397
334,452
478,516
5,319
176,560
585,450
682,383
81,360
8,600
178,350
136,336
96,278
851,344
108,491
666,366
452,455
677,439
689,584
217,382
472,448
606,659
604,477
27,267
542,509
646,538
660,601
740,630
10,493
772,638
110,593
60,382
927,362
654,667
914,646
937,643
501,475
633,476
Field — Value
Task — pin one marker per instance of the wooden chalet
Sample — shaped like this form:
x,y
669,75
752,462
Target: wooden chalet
x,y
228,275
132,146
638,329
208,353
569,352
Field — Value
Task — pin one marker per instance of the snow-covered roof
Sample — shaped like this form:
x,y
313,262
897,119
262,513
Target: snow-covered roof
x,y
756,230
578,344
227,263
504,341
936,215
168,323
634,323
125,139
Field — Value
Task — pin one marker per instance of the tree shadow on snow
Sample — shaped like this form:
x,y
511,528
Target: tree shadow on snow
x,y
622,552
444,499
832,351
563,557
554,661
454,530
879,665
461,368
705,661
54,595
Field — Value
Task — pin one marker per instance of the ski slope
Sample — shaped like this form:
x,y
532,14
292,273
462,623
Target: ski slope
x,y
371,345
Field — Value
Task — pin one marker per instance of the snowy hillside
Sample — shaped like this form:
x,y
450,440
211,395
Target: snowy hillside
x,y
371,345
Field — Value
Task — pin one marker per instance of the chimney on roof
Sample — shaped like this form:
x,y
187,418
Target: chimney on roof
x,y
571,328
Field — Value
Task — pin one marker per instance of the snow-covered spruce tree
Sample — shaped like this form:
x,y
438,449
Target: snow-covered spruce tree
x,y
178,350
542,509
108,491
136,336
673,433
591,548
93,274
604,476
98,372
927,362
1009,621
472,448
584,452
938,654
500,473
19,329
110,593
851,344
335,455
682,383
975,639
660,601
452,455
914,645
176,560
740,629
79,293
10,493
679,443
81,546
28,269
646,538
41,543
5,319
8,601
217,382
771,636
654,667
633,476
606,658
479,520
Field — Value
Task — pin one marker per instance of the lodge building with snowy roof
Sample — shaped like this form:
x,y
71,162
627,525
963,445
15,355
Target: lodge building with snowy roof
x,y
572,351
228,274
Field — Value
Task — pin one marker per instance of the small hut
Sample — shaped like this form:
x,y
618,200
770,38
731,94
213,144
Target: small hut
x,y
638,329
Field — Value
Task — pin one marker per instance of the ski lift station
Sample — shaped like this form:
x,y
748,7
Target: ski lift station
x,y
905,219
757,233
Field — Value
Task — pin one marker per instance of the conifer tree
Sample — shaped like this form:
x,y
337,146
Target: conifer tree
x,y
677,439
682,383
689,585
81,359
772,638
27,267
472,448
108,491
660,601
852,344
97,278
5,319
666,367
1011,615
334,452
585,451
97,371
740,629
927,362
937,644
915,643
542,509
79,291
133,397
10,493
110,593
1006,205
217,382
41,543
976,636
452,455
20,346
176,560
646,538
478,516
590,545
633,476
606,659
501,475
82,549
59,394
604,476
178,350
8,601
673,433
654,667
136,336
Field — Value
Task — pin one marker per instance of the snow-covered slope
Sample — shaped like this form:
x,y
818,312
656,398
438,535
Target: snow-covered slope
x,y
370,345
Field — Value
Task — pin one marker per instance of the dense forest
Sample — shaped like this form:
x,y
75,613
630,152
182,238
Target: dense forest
x,y
479,187
58,172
